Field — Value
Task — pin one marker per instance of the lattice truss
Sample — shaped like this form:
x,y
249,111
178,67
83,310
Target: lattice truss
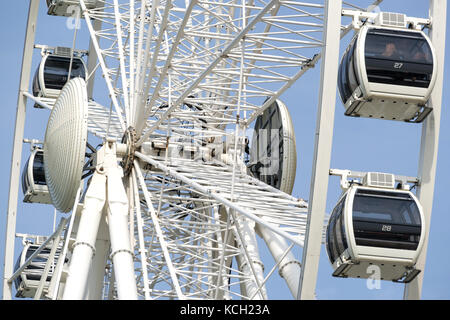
x,y
190,77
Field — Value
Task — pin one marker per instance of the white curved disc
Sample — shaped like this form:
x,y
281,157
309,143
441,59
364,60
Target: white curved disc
x,y
65,144
289,150
274,131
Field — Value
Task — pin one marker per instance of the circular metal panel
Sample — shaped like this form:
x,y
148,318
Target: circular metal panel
x,y
65,144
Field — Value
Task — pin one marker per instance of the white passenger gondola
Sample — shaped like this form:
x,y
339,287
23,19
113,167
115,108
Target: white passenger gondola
x,y
34,185
388,73
53,72
28,281
376,226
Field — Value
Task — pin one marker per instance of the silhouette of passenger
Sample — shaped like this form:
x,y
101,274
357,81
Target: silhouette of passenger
x,y
390,50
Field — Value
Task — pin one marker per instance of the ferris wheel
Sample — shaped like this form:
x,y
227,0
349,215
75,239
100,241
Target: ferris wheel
x,y
195,160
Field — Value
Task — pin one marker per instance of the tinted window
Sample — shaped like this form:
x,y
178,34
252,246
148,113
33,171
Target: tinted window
x,y
38,168
25,182
346,74
331,243
408,47
56,71
386,220
342,81
336,239
399,58
339,230
36,87
386,208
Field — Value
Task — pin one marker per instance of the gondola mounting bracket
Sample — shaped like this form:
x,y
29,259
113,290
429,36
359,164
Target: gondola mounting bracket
x,y
347,177
388,19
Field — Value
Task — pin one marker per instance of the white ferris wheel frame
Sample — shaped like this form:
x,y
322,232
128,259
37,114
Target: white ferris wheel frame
x,y
323,143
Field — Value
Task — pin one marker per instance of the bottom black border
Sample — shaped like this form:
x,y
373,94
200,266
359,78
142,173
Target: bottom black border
x,y
199,310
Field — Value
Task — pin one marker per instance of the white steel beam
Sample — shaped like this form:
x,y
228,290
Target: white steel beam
x,y
123,75
50,261
430,139
322,150
95,282
208,70
164,71
159,232
102,62
219,198
300,73
140,227
92,60
17,148
121,251
84,247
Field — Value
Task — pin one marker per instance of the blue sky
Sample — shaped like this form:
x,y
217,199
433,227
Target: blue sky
x,y
358,144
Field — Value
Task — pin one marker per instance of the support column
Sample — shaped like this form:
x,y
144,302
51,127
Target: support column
x,y
289,268
95,282
430,140
249,261
84,247
322,150
14,178
121,251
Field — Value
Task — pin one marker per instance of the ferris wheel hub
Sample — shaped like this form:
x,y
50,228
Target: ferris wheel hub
x,y
129,139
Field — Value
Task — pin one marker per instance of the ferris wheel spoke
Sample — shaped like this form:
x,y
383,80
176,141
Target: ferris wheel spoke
x,y
142,113
140,230
196,236
199,77
257,44
100,57
196,51
182,199
280,214
121,50
279,36
160,236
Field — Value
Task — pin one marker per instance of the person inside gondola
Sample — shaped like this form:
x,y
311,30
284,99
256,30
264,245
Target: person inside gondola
x,y
390,50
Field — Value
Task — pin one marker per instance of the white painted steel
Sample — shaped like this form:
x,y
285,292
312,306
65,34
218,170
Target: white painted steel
x,y
288,266
191,77
121,251
95,44
14,178
50,260
84,246
95,281
56,289
430,139
322,151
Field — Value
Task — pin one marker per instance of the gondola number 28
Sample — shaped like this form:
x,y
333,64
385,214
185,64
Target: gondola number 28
x,y
386,228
